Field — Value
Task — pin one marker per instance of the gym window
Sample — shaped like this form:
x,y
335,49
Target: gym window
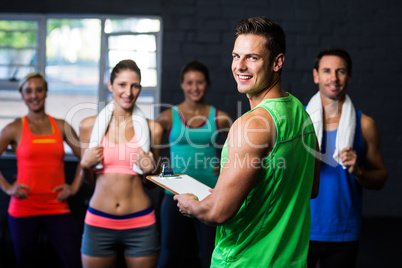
x,y
76,54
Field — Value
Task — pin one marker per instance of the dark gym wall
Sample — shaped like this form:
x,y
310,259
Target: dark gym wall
x,y
203,30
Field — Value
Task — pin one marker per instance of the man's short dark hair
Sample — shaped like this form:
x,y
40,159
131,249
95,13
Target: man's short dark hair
x,y
268,28
334,52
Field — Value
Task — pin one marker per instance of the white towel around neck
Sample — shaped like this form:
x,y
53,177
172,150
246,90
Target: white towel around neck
x,y
140,126
346,128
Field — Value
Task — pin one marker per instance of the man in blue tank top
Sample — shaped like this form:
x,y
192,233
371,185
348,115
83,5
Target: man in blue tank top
x,y
356,164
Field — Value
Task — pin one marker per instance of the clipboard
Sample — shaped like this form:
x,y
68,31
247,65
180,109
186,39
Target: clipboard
x,y
181,184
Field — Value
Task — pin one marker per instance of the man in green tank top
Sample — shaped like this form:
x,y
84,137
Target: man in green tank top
x,y
269,172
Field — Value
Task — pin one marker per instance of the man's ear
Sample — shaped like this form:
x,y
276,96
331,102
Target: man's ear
x,y
279,60
315,75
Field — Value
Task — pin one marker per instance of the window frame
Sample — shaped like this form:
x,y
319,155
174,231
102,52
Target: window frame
x,y
103,62
40,46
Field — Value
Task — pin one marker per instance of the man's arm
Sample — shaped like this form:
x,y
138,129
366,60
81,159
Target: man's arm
x,y
374,173
250,140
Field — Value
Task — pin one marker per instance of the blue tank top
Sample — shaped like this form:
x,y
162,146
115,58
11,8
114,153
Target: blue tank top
x,y
336,212
192,150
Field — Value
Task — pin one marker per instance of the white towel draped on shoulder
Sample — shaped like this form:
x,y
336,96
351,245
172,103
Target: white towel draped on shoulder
x,y
140,126
346,128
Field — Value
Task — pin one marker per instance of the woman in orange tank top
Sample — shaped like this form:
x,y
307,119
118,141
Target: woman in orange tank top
x,y
39,195
120,214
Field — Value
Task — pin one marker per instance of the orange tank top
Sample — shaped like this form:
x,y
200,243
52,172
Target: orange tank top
x,y
40,165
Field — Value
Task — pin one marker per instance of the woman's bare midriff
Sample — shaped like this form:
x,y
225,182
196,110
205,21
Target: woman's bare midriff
x,y
119,194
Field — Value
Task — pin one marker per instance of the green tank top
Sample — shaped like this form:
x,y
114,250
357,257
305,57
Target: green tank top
x,y
272,227
192,150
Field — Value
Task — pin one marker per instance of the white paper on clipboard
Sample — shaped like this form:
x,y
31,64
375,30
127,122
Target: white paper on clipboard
x,y
182,184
